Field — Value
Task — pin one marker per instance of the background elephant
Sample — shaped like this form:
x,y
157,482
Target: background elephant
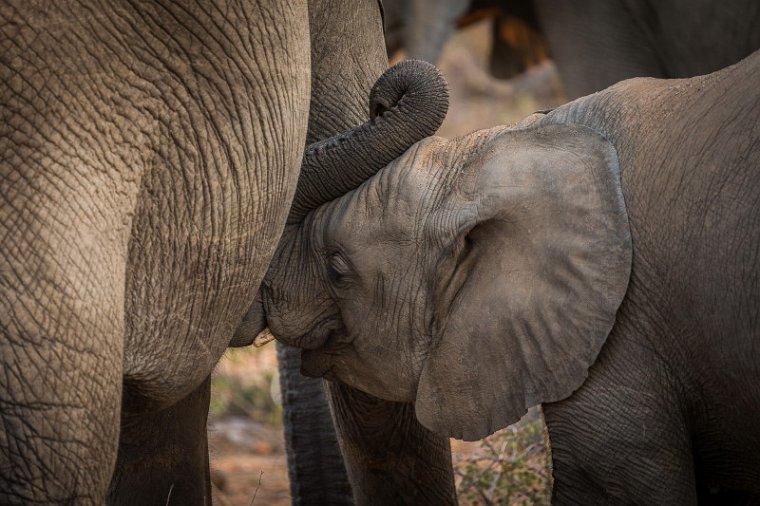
x,y
596,43
421,27
150,153
600,260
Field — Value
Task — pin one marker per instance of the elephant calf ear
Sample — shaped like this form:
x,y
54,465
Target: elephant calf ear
x,y
545,265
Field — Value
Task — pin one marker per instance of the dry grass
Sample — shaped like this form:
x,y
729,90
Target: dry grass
x,y
510,467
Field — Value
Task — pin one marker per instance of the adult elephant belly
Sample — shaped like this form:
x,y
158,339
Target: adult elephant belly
x,y
228,129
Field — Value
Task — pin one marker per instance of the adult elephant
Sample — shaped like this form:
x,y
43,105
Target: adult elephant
x,y
601,260
149,156
150,152
596,43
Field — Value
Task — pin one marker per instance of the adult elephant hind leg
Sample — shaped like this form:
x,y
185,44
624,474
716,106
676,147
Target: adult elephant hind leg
x,y
172,439
65,224
61,328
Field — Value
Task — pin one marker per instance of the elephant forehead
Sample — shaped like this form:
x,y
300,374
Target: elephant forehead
x,y
410,179
409,190
376,211
396,205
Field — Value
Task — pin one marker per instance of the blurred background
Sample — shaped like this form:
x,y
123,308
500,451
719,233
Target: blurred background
x,y
245,423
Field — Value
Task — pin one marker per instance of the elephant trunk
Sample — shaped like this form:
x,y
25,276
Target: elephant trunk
x,y
407,103
320,476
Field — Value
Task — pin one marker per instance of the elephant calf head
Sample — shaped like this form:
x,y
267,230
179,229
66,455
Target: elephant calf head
x,y
476,277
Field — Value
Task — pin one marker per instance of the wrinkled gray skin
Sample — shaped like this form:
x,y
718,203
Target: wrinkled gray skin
x,y
596,43
149,154
139,212
601,260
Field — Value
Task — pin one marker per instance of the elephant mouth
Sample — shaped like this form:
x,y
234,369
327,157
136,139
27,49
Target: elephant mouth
x,y
315,364
320,363
320,335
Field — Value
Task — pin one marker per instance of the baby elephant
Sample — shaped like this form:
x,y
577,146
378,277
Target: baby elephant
x,y
602,260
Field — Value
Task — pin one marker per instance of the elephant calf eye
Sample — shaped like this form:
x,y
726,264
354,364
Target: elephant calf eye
x,y
337,268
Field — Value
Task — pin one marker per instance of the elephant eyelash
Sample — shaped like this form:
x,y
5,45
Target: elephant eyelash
x,y
338,269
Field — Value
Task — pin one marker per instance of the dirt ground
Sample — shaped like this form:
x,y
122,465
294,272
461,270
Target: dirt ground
x,y
247,449
247,458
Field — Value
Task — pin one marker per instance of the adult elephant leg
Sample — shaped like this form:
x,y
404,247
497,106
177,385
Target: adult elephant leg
x,y
590,58
174,438
60,343
64,222
391,458
316,470
62,272
429,24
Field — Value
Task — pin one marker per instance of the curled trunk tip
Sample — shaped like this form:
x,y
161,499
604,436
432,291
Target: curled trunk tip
x,y
407,103
414,80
